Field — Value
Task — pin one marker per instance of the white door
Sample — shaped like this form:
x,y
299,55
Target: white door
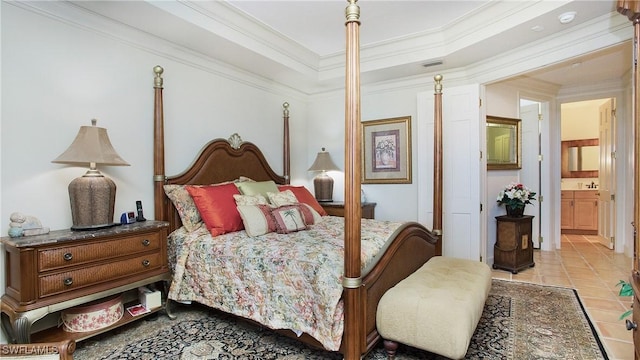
x,y
463,236
606,178
530,171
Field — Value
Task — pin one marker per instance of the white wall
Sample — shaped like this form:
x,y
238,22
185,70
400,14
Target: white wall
x,y
326,129
501,101
580,120
56,77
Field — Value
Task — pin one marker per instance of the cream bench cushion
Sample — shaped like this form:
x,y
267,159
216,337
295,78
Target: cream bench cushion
x,y
437,308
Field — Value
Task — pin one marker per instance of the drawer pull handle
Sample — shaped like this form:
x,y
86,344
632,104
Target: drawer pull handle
x,y
146,263
146,242
631,325
67,256
68,281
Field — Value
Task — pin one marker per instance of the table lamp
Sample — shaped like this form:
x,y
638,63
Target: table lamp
x,y
323,183
92,195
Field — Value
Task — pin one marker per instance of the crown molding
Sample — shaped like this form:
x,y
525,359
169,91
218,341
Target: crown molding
x,y
81,18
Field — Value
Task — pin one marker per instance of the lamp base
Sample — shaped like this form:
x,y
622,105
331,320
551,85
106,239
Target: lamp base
x,y
92,199
323,187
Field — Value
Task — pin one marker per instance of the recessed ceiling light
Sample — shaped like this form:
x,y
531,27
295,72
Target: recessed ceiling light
x,y
537,28
567,17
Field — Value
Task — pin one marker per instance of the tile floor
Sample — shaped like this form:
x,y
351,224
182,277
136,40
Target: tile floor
x,y
583,264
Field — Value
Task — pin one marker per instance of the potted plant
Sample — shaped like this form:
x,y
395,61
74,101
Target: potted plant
x,y
514,197
625,290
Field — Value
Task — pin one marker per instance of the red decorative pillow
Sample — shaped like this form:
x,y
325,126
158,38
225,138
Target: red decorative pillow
x,y
217,207
304,196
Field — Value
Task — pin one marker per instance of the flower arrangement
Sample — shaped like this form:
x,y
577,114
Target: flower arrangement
x,y
516,196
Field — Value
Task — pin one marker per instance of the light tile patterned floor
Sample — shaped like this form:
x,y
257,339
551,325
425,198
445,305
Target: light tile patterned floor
x,y
592,269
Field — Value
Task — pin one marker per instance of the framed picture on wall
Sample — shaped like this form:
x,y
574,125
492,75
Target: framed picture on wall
x,y
504,143
386,151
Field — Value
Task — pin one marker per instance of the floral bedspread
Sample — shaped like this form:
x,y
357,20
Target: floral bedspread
x,y
291,281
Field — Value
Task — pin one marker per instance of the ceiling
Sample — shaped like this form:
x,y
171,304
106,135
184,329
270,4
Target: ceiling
x,y
301,43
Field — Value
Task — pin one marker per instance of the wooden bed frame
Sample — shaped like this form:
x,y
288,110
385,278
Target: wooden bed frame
x,y
225,160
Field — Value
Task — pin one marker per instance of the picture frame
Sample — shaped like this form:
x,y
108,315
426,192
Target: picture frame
x,y
504,143
386,151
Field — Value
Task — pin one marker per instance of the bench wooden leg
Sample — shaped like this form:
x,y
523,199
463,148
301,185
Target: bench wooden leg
x,y
390,347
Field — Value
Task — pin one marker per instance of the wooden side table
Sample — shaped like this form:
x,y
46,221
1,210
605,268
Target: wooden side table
x,y
513,250
52,272
336,208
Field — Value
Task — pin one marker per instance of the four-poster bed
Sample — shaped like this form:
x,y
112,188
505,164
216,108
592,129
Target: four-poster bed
x,y
631,9
221,161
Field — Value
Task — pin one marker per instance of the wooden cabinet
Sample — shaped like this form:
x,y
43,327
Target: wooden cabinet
x,y
513,250
579,211
48,273
336,208
566,210
585,215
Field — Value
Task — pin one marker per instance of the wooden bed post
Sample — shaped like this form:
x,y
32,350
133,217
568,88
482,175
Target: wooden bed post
x,y
286,157
354,312
631,9
437,162
158,146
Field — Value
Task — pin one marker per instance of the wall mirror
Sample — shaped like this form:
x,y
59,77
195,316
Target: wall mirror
x,y
504,144
580,158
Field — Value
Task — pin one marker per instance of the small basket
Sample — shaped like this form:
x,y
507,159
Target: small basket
x,y
93,316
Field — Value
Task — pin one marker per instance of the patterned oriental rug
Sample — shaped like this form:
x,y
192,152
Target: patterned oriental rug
x,y
520,321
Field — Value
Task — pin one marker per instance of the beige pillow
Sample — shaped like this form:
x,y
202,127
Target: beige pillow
x,y
250,200
257,219
257,187
282,198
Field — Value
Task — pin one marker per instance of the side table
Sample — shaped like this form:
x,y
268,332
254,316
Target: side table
x,y
336,208
513,250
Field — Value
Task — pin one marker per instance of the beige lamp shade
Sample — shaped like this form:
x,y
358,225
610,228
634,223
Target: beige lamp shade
x,y
93,195
323,183
91,145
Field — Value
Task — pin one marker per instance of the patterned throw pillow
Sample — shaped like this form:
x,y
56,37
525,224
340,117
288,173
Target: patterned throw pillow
x,y
288,219
250,200
257,219
304,196
183,202
261,219
310,215
282,198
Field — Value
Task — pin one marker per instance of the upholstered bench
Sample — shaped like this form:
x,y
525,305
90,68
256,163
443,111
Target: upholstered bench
x,y
437,308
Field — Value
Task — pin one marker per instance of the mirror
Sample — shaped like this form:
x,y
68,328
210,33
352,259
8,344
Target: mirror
x,y
503,143
580,158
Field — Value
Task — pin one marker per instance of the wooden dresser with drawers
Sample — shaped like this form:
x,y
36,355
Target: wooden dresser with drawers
x,y
45,274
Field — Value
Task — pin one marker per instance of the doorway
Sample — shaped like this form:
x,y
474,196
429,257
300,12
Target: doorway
x,y
588,169
531,171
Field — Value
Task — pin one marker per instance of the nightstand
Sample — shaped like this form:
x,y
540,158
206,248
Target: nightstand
x,y
48,273
336,208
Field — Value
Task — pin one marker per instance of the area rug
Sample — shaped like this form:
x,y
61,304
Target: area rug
x,y
520,321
